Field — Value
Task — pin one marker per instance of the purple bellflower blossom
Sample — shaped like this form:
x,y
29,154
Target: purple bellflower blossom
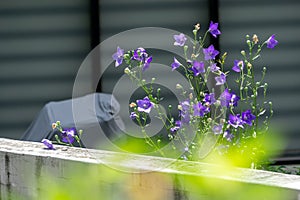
x,y
229,99
198,67
68,135
213,29
118,56
200,110
148,60
185,111
176,127
234,100
228,136
144,105
209,98
238,66
179,39
48,144
139,54
221,79
133,115
217,129
175,64
271,42
248,117
214,67
235,121
210,53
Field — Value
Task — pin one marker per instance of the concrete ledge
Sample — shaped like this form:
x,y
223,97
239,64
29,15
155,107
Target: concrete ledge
x,y
25,164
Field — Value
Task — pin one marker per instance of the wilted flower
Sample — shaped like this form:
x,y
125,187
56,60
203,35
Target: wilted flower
x,y
48,144
255,39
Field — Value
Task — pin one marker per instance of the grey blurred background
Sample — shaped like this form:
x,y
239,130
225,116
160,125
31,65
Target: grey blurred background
x,y
43,43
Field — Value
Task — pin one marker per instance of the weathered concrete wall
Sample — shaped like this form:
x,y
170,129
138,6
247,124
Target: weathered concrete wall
x,y
28,171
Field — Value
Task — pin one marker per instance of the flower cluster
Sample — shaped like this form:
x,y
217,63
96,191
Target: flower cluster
x,y
65,136
229,116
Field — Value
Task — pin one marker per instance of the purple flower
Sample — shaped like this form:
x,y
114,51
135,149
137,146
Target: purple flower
x,y
139,54
228,99
133,115
179,39
248,117
271,42
235,121
234,99
214,67
238,65
175,64
185,111
220,79
118,56
200,110
225,98
228,136
213,29
217,129
48,144
209,98
68,134
210,52
198,67
144,105
176,127
147,63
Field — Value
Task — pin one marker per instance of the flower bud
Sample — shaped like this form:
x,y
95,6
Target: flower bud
x,y
178,86
153,79
222,121
191,96
243,53
209,120
127,70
